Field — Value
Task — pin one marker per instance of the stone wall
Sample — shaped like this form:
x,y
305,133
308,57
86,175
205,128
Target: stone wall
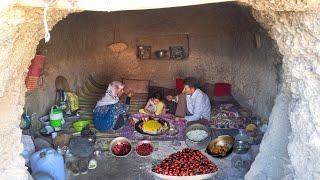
x,y
222,49
290,148
21,29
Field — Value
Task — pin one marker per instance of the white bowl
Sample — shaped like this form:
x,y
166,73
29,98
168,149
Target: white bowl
x,y
196,177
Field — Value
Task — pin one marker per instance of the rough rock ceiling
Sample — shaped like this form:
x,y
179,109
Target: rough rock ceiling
x,y
120,5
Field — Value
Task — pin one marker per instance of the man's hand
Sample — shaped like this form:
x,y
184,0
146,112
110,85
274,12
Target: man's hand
x,y
179,119
170,98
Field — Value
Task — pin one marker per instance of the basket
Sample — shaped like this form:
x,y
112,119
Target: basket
x,y
35,69
31,82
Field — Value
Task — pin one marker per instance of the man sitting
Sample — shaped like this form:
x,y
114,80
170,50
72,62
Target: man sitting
x,y
193,104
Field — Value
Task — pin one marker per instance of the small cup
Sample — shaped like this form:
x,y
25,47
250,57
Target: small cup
x,y
54,135
97,153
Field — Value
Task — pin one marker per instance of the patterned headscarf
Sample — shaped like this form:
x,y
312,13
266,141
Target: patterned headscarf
x,y
111,96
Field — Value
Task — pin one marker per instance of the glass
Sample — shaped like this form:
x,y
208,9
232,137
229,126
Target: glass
x,y
240,164
237,162
243,136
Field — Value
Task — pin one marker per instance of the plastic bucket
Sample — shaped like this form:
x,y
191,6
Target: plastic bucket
x,y
49,162
222,89
56,117
56,123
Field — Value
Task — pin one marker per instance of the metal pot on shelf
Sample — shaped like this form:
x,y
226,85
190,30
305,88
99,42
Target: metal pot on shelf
x,y
161,54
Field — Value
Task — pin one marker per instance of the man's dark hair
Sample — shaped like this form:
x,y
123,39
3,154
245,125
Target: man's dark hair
x,y
157,95
191,82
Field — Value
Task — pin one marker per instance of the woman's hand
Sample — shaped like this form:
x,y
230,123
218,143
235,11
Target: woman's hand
x,y
132,121
130,93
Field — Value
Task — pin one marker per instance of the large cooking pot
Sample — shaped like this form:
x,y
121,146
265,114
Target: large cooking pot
x,y
161,54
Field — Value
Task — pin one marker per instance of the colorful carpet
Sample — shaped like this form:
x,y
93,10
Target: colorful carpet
x,y
130,132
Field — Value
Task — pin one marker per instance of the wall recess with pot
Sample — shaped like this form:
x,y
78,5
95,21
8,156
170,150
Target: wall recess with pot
x,y
164,47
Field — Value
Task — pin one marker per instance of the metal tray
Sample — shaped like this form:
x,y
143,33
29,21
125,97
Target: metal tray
x,y
138,127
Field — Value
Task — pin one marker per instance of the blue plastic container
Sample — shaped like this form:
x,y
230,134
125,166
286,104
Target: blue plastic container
x,y
48,161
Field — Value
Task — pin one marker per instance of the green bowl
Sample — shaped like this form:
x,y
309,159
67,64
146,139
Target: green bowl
x,y
80,124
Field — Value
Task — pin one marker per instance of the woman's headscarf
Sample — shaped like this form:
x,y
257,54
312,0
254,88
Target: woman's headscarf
x,y
111,96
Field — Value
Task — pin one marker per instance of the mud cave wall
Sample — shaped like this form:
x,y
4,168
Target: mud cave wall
x,y
221,41
290,147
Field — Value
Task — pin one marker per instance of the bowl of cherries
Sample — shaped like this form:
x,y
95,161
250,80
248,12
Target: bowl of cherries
x,y
120,147
144,148
187,164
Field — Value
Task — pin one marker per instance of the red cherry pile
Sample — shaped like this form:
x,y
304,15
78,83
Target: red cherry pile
x,y
144,149
187,162
121,148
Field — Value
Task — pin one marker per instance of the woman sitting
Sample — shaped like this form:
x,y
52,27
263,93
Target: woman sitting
x,y
155,106
109,113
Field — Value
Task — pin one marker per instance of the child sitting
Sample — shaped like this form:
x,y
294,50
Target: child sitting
x,y
155,106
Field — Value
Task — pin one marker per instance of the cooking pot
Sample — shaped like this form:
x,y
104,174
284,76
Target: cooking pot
x,y
161,53
221,146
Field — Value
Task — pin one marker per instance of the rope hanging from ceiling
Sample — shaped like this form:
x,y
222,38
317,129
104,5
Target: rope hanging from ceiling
x,y
46,3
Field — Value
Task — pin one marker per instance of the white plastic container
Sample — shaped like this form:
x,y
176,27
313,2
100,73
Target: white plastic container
x,y
28,147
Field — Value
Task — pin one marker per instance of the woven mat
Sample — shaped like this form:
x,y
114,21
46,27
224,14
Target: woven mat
x,y
129,129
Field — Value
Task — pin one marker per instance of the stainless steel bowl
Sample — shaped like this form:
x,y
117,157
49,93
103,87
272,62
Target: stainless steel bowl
x,y
144,142
47,130
119,140
221,146
241,147
161,53
197,144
